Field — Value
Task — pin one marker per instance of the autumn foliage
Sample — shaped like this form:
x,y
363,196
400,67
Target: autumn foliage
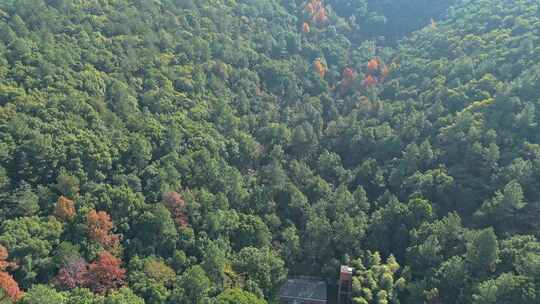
x,y
105,273
10,286
7,283
317,11
376,73
99,229
4,264
319,67
369,81
177,206
65,208
305,28
348,76
102,275
73,274
373,65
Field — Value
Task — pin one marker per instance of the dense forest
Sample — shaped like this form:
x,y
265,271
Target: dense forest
x,y
202,151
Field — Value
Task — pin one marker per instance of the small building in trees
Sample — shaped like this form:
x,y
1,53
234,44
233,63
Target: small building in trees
x,y
304,290
345,285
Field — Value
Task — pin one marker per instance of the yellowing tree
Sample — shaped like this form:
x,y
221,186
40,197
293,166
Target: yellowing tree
x,y
65,208
319,67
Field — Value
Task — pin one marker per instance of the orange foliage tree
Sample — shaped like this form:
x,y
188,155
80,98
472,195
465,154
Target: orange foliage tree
x,y
7,283
99,229
377,72
317,11
65,208
10,287
373,65
369,81
4,264
319,67
105,273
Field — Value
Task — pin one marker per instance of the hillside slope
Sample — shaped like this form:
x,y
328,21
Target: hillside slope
x,y
178,151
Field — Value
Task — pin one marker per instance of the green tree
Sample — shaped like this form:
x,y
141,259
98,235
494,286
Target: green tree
x,y
151,279
501,210
43,294
483,252
25,202
263,268
238,296
251,231
192,287
214,261
505,289
31,241
376,281
156,231
83,296
67,184
123,296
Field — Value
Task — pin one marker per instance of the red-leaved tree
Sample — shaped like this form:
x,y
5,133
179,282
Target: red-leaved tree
x,y
105,273
177,206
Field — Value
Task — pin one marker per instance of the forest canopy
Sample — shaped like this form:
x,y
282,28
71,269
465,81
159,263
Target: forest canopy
x,y
203,151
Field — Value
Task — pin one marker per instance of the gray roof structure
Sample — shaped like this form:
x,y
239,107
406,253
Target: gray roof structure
x,y
305,289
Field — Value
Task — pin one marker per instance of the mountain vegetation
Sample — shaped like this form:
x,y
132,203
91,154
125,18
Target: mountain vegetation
x,y
202,151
